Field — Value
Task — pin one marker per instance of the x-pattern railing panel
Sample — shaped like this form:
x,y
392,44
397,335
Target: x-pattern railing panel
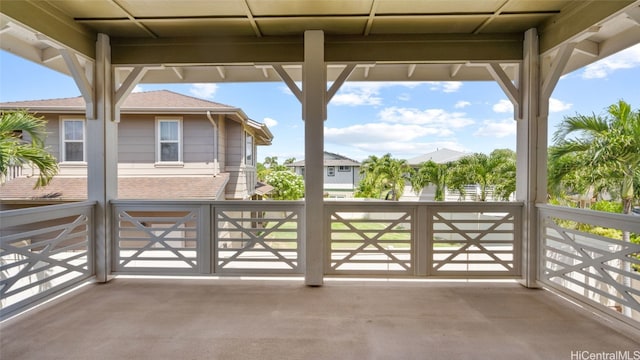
x,y
578,260
259,238
157,240
475,242
370,241
42,252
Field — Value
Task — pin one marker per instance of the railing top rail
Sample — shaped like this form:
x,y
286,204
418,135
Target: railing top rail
x,y
46,209
460,204
600,218
206,202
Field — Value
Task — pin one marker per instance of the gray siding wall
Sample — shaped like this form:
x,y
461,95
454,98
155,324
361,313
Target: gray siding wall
x,y
222,141
197,135
346,178
234,144
53,134
137,139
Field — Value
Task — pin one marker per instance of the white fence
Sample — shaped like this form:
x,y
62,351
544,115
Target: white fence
x,y
187,237
43,251
582,255
49,248
423,239
362,238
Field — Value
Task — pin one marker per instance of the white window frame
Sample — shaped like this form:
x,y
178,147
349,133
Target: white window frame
x,y
64,141
331,171
248,136
344,168
180,141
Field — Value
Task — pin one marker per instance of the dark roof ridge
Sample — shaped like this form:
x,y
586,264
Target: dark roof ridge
x,y
185,95
61,98
338,155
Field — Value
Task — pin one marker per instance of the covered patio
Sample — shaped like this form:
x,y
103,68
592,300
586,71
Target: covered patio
x,y
282,319
109,46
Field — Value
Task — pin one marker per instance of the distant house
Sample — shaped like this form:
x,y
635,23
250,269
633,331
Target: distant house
x,y
440,156
170,146
341,175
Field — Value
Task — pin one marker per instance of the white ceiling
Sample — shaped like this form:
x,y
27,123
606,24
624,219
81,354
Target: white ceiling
x,y
240,40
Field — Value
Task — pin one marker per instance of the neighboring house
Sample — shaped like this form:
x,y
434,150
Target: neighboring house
x,y
440,156
170,146
341,175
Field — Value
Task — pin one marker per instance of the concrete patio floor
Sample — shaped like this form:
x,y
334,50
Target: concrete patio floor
x,y
132,318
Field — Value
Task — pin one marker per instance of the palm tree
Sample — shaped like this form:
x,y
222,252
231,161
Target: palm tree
x,y
604,152
14,151
431,173
382,174
369,173
494,170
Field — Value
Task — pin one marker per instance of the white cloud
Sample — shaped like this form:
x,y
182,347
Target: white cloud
x,y
435,117
503,106
404,97
205,91
375,133
499,128
137,88
556,105
445,86
367,93
356,98
461,104
626,59
270,122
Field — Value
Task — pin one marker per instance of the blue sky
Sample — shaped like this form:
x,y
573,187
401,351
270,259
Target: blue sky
x,y
406,119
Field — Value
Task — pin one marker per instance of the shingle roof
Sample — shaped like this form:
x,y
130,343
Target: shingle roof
x,y
75,188
331,159
439,156
151,100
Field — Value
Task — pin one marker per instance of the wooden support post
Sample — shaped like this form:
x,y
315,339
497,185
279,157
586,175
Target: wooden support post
x,y
314,107
102,159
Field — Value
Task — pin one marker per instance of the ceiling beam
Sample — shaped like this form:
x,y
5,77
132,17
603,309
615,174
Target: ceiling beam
x,y
41,17
488,20
588,47
570,24
191,51
252,20
372,15
49,54
454,70
272,49
424,48
178,71
133,19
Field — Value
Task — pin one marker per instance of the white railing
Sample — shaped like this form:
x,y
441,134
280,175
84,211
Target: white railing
x,y
264,237
362,238
13,171
582,254
43,250
191,237
423,239
160,237
475,239
370,238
